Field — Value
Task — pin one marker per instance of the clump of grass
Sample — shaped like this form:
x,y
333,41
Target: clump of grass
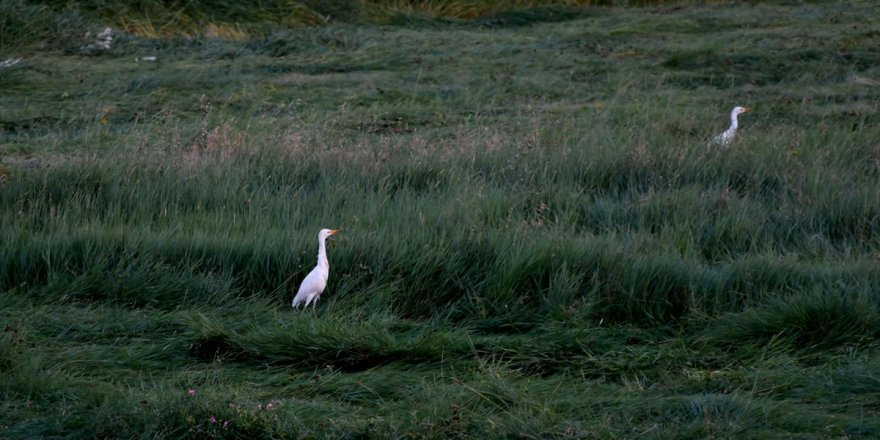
x,y
808,322
25,25
8,352
346,344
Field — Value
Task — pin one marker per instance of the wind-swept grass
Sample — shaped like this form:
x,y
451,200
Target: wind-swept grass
x,y
537,240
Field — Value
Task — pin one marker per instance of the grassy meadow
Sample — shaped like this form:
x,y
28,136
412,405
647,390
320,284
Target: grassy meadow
x,y
537,240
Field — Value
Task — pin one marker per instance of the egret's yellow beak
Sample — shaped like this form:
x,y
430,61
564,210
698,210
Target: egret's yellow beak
x,y
746,109
333,231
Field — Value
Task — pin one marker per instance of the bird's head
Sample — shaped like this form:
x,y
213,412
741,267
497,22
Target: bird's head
x,y
737,110
324,233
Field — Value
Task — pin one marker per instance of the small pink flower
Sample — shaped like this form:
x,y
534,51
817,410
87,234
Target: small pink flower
x,y
191,392
212,419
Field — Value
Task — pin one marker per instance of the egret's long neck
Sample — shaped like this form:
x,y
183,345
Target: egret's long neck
x,y
322,255
733,121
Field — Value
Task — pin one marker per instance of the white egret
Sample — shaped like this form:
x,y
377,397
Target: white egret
x,y
315,282
724,139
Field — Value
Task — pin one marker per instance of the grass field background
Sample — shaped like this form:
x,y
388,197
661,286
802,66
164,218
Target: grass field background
x,y
537,240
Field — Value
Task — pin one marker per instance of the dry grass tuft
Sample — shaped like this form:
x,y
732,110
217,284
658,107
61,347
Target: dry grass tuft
x,y
218,145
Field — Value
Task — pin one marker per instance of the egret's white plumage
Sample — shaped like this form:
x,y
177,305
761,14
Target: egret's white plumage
x,y
315,282
724,139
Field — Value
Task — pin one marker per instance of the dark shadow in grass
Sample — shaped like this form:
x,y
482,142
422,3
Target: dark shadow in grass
x,y
363,343
285,43
28,124
211,347
344,355
313,68
504,19
528,17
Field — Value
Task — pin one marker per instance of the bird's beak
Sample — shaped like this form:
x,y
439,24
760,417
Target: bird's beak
x,y
746,109
333,231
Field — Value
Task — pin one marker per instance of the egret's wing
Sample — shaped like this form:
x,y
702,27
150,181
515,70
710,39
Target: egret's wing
x,y
724,138
313,284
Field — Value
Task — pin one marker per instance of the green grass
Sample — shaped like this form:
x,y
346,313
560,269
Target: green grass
x,y
536,240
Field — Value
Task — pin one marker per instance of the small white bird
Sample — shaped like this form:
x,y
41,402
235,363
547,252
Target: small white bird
x,y
724,139
315,282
